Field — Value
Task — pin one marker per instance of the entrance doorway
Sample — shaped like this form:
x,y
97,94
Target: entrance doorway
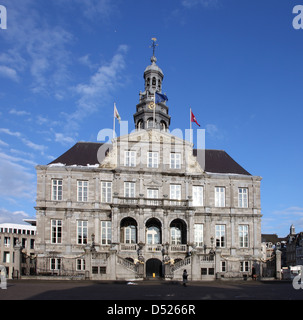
x,y
154,267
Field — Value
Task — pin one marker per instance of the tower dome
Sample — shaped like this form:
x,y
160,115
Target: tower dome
x,y
151,115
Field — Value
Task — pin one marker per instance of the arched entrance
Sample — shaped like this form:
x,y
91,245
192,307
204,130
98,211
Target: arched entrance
x,y
154,266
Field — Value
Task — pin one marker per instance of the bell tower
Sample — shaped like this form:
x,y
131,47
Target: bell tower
x,y
148,114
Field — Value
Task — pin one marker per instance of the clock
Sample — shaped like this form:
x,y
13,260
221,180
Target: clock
x,y
151,105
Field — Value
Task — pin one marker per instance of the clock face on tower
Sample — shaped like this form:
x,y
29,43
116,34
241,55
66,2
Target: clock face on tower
x,y
151,105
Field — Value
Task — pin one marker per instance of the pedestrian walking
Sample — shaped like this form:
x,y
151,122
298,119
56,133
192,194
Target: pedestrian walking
x,y
185,276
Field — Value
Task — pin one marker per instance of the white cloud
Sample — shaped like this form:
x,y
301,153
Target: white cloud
x,y
8,72
63,139
11,133
15,180
94,93
19,112
279,221
7,216
204,3
4,144
213,131
35,47
26,141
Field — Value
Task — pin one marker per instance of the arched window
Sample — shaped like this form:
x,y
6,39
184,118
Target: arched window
x,y
163,126
150,123
140,125
153,231
154,82
128,230
177,232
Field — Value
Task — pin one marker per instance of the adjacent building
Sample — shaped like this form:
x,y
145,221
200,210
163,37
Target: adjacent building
x,y
147,205
17,249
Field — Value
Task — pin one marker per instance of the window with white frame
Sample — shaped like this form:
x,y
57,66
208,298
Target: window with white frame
x,y
80,264
82,190
198,229
243,197
175,192
198,196
129,158
130,234
244,266
219,196
55,264
243,236
56,231
220,235
57,189
106,232
152,194
175,160
152,159
82,232
175,234
129,189
106,191
7,242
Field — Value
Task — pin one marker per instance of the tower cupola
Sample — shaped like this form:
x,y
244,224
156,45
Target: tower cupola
x,y
150,115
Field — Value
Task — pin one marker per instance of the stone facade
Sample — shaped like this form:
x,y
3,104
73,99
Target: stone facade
x,y
147,206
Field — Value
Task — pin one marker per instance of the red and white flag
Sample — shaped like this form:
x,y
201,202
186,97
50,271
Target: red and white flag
x,y
193,118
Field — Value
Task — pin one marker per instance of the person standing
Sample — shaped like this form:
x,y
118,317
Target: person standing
x,y
185,276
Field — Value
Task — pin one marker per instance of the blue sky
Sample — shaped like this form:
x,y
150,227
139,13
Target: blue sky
x,y
237,63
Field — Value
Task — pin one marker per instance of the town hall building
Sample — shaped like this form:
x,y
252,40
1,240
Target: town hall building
x,y
147,205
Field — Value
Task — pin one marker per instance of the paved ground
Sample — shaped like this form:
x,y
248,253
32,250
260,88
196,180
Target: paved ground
x,y
149,290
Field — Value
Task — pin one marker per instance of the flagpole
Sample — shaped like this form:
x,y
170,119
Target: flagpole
x,y
114,124
154,113
190,126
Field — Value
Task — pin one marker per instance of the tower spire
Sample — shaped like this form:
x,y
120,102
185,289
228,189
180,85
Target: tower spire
x,y
154,45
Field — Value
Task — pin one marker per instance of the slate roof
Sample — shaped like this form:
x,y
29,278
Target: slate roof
x,y
85,153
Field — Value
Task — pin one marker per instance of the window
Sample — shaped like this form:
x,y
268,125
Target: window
x,y
82,190
106,191
130,234
198,196
32,244
128,231
56,226
220,235
152,159
223,266
130,158
175,160
7,242
175,191
152,194
57,190
6,257
129,189
243,236
244,266
243,197
106,232
55,264
199,234
80,264
175,234
219,197
102,270
82,232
